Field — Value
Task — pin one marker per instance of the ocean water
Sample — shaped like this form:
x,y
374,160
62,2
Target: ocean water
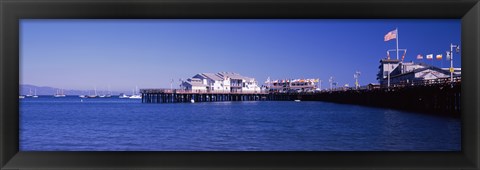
x,y
112,124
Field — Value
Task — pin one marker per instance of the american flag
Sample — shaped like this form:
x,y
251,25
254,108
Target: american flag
x,y
391,35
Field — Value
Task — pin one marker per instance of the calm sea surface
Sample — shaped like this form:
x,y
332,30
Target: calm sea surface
x,y
112,124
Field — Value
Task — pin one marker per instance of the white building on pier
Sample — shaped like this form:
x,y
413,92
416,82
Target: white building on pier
x,y
221,82
292,85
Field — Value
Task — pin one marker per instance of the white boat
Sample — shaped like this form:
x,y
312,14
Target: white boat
x,y
29,93
92,96
104,94
192,101
35,95
21,97
123,96
95,95
59,93
135,95
297,100
109,94
82,96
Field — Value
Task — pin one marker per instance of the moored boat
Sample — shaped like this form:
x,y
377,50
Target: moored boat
x,y
29,93
94,95
123,96
135,95
35,95
109,94
59,93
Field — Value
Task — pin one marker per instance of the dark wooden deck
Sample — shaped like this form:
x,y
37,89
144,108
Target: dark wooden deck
x,y
437,98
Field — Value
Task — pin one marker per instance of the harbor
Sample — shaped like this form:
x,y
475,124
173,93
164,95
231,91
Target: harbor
x,y
122,124
249,85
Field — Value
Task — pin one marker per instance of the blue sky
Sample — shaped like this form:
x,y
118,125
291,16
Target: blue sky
x,y
122,54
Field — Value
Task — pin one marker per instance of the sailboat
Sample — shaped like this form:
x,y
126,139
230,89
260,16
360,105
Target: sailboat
x,y
35,95
135,95
102,95
95,95
29,93
59,93
83,96
123,96
109,94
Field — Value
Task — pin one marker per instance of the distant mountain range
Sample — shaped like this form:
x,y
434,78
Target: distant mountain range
x,y
45,90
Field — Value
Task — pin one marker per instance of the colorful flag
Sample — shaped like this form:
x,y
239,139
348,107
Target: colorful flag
x,y
430,56
390,35
439,56
419,57
403,56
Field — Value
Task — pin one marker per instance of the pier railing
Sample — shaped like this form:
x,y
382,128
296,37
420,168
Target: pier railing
x,y
402,84
183,91
397,85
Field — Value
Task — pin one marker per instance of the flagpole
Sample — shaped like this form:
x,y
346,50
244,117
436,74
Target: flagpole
x,y
451,64
397,42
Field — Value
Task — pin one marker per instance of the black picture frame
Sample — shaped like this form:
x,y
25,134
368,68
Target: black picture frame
x,y
12,11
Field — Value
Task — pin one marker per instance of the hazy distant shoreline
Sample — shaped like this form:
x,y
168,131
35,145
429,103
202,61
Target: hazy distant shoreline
x,y
46,90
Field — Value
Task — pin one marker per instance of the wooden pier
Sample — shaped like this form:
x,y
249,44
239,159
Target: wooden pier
x,y
438,98
183,96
